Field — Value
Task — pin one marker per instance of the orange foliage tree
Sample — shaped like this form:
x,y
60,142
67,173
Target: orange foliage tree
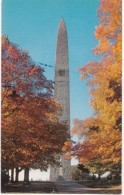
x,y
32,135
100,135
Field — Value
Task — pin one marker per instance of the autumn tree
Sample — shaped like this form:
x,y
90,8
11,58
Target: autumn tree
x,y
21,74
32,135
83,168
101,133
75,172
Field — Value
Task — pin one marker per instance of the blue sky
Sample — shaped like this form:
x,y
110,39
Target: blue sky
x,y
33,25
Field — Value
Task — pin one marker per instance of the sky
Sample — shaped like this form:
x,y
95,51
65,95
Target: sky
x,y
33,25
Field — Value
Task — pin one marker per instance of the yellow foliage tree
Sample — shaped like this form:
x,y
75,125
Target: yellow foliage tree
x,y
102,132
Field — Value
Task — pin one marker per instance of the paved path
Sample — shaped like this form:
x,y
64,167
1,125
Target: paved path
x,y
72,187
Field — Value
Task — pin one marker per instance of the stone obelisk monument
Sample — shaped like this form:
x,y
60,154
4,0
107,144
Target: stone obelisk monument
x,y
61,93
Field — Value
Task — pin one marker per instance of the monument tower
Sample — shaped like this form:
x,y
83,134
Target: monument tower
x,y
61,93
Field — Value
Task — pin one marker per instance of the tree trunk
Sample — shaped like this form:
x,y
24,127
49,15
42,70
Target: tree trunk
x,y
26,175
17,175
7,170
93,176
12,175
99,177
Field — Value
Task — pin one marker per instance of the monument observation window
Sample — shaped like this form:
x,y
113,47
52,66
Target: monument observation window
x,y
61,72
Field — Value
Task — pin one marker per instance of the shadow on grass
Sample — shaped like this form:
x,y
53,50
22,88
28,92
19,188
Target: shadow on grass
x,y
100,183
34,187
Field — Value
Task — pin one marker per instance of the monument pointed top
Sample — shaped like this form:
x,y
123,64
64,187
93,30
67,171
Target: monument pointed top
x,y
62,19
62,46
62,22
